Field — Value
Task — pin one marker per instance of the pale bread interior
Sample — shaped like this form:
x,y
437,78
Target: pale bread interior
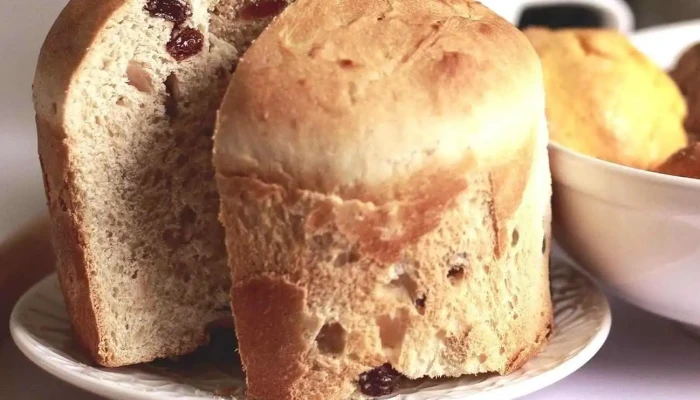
x,y
138,127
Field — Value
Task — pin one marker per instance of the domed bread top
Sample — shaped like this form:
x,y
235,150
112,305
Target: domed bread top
x,y
438,91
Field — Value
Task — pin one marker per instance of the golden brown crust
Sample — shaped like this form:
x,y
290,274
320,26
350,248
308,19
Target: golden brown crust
x,y
272,306
426,57
72,264
61,55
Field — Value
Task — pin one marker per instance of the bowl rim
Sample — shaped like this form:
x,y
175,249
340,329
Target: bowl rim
x,y
653,177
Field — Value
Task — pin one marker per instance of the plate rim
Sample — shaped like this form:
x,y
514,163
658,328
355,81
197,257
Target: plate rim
x,y
28,345
24,340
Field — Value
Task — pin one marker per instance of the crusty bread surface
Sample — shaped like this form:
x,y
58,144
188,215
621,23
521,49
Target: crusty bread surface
x,y
385,192
126,93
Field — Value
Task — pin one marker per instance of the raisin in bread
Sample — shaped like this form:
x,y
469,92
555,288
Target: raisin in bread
x,y
385,191
126,93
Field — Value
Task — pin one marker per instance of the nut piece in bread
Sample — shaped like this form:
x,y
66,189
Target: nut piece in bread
x,y
606,99
385,192
126,93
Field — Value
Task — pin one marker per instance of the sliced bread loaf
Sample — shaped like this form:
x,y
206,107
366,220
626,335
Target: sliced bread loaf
x,y
385,191
126,93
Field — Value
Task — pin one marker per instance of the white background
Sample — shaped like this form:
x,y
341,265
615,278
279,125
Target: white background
x,y
644,358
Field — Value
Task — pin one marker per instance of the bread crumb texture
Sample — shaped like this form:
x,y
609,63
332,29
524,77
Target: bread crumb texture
x,y
126,93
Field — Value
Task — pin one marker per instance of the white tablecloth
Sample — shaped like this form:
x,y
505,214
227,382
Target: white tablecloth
x,y
645,357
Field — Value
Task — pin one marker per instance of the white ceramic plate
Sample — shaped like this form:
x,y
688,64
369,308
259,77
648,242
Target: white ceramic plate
x,y
41,329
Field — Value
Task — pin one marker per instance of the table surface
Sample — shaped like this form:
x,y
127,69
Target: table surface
x,y
645,357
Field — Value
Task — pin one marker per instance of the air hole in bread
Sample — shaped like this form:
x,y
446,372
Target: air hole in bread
x,y
544,245
392,331
347,257
405,282
516,237
502,350
456,272
420,304
172,89
135,274
515,299
331,338
115,292
54,108
139,78
458,263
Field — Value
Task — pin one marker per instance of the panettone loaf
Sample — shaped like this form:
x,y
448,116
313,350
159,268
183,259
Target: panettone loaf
x,y
385,191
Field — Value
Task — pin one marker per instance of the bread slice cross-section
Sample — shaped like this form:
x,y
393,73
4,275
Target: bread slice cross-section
x,y
126,93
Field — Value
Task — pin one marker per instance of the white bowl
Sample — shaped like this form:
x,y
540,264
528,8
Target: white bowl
x,y
636,232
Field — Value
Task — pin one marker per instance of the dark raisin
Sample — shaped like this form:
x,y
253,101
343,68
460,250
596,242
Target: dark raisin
x,y
262,9
380,381
175,11
185,44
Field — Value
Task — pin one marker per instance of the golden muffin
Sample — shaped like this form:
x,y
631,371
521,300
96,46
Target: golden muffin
x,y
606,99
